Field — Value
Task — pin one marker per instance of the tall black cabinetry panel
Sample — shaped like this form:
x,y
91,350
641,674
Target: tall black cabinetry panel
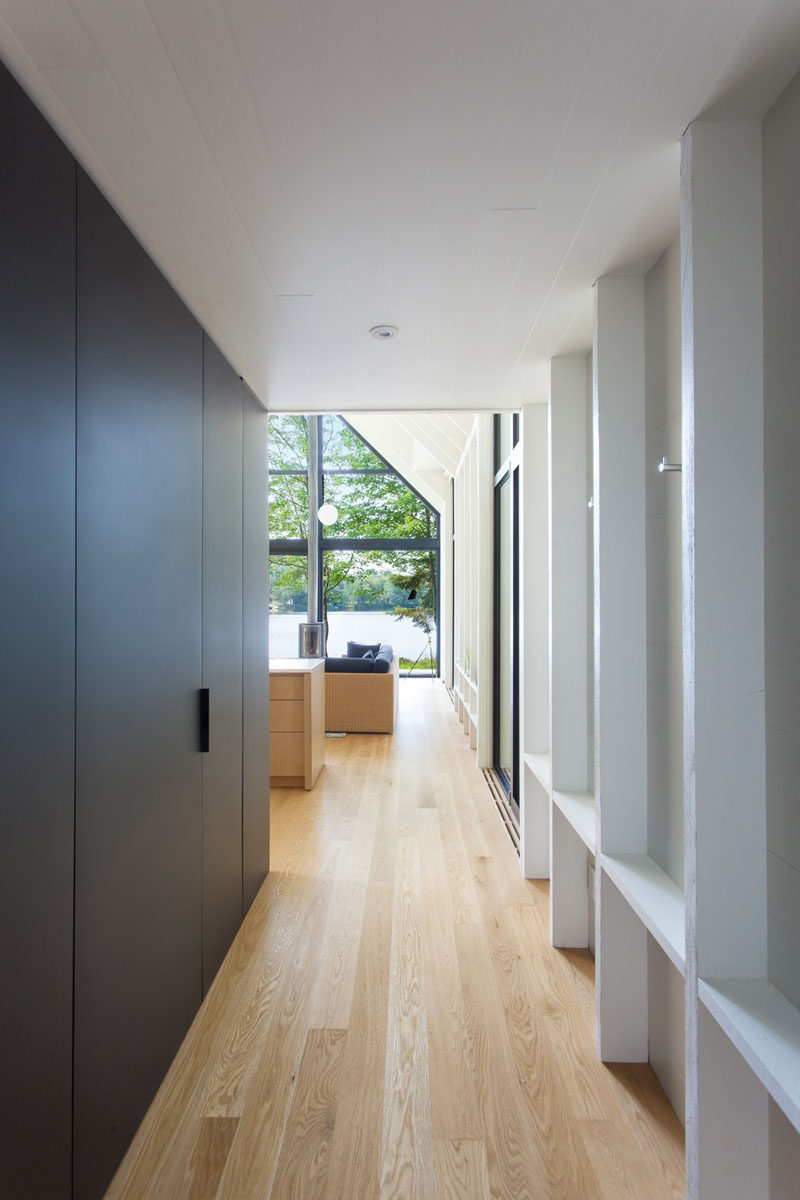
x,y
139,571
255,665
222,657
37,617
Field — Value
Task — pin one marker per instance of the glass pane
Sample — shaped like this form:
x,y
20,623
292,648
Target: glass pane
x,y
288,506
376,506
505,749
503,438
342,448
288,443
368,598
288,494
373,505
288,602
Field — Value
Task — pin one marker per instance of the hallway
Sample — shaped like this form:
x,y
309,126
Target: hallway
x,y
391,1019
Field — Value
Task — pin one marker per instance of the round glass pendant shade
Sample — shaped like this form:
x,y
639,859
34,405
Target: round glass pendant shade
x,y
328,513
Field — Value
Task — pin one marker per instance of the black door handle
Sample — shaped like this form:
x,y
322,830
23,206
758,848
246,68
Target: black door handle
x,y
205,719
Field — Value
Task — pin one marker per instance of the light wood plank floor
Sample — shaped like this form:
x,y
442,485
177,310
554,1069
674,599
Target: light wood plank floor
x,y
391,1020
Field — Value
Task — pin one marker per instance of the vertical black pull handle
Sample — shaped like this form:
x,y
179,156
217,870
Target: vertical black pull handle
x,y
205,719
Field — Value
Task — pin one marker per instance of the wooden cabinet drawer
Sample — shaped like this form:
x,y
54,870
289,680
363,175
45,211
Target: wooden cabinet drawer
x,y
287,754
286,687
286,715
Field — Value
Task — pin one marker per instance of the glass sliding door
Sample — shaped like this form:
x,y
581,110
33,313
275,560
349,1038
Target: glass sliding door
x,y
506,606
505,628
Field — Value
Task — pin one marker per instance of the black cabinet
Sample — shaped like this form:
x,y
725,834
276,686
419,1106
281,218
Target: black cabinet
x,y
222,657
37,619
255,665
134,573
138,976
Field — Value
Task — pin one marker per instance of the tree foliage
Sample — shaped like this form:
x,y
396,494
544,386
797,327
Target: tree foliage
x,y
288,494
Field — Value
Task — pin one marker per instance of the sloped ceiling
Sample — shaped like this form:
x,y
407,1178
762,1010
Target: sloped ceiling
x,y
464,169
425,448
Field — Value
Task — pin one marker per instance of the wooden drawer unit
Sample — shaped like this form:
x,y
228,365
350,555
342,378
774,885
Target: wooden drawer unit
x,y
286,716
286,687
296,721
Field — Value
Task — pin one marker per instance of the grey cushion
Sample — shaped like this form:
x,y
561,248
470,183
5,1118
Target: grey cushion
x,y
383,659
356,650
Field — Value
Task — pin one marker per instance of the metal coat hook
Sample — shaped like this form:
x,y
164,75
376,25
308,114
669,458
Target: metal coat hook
x,y
668,466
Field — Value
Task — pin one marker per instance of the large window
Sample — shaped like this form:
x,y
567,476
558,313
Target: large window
x,y
506,605
377,562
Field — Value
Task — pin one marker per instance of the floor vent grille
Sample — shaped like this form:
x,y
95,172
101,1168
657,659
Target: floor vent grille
x,y
507,814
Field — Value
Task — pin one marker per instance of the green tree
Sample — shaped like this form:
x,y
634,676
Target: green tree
x,y
288,494
288,509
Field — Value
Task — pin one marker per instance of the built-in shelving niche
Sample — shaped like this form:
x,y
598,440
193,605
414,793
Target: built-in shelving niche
x,y
605,757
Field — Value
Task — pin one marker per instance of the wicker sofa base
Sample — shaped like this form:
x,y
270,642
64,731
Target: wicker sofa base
x,y
357,703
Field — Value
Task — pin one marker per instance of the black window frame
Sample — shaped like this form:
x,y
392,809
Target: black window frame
x,y
507,473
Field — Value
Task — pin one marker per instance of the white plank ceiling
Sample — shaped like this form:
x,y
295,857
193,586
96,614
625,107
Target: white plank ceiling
x,y
464,169
426,448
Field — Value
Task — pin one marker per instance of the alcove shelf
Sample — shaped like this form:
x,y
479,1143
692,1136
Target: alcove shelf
x,y
765,1028
539,765
655,898
578,809
466,704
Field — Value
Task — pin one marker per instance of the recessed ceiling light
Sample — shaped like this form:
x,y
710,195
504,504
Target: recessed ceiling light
x,y
382,333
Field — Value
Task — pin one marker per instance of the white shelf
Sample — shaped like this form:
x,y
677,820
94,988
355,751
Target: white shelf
x,y
466,691
655,898
539,765
578,808
765,1028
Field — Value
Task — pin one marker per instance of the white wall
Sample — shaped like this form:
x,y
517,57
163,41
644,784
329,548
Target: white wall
x,y
781,199
781,134
666,1041
534,642
591,879
665,1016
784,1162
589,578
472,524
663,509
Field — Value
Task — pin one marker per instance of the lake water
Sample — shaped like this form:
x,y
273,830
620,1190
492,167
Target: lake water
x,y
365,627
